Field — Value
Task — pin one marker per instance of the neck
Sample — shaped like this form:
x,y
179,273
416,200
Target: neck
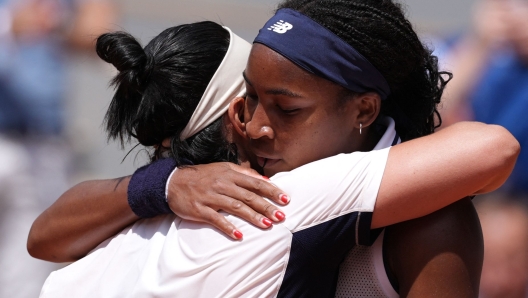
x,y
369,139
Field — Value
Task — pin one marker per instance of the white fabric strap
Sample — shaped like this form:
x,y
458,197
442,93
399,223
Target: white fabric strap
x,y
226,84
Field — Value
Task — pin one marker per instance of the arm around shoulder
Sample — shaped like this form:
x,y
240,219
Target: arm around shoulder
x,y
463,159
93,211
84,216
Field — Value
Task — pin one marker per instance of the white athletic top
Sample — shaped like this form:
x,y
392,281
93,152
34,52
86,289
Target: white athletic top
x,y
363,274
330,212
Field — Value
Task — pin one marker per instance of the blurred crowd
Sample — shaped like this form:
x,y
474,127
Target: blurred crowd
x,y
490,75
490,66
36,37
489,61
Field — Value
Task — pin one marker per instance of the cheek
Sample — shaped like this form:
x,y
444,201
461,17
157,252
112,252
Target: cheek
x,y
248,108
317,138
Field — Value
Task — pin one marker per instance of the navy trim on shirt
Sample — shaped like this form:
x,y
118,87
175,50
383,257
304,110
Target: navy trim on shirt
x,y
396,139
317,253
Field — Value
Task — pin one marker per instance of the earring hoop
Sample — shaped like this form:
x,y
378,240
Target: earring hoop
x,y
360,127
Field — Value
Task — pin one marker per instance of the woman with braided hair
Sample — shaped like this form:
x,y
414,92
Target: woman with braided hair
x,y
300,109
430,255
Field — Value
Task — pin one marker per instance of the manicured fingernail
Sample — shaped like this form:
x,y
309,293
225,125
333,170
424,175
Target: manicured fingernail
x,y
284,198
279,215
237,234
266,221
265,178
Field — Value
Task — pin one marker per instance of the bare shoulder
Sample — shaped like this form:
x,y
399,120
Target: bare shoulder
x,y
439,255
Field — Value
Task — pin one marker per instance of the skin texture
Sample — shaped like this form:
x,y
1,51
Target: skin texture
x,y
451,164
505,229
277,133
439,255
77,221
286,113
226,182
93,211
413,169
289,110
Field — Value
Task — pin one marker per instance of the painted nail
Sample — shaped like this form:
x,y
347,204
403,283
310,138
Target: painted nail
x,y
237,234
284,198
266,221
279,215
265,178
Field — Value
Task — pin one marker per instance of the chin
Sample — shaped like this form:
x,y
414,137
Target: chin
x,y
269,173
276,169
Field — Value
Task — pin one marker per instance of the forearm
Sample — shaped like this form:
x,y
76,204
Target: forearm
x,y
464,159
93,211
81,219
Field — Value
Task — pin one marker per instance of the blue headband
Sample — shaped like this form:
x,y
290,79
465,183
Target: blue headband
x,y
321,52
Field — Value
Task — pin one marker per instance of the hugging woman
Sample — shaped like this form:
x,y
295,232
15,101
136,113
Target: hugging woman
x,y
300,109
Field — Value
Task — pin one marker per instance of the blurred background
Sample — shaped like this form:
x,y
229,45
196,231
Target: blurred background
x,y
54,93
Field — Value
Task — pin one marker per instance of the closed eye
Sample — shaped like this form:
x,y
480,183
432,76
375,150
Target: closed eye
x,y
250,97
289,111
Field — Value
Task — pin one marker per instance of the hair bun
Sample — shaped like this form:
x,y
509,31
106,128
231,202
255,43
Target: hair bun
x,y
121,50
159,86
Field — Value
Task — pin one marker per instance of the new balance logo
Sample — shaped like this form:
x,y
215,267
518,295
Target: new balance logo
x,y
281,27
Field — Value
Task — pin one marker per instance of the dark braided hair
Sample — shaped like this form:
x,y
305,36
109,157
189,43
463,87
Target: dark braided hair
x,y
379,30
159,87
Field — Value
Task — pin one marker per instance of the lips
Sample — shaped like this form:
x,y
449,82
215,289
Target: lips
x,y
266,162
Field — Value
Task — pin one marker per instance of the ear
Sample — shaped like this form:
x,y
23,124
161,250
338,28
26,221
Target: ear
x,y
369,106
166,143
235,113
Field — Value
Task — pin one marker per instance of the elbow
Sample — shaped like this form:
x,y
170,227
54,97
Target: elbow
x,y
34,251
40,246
40,250
507,149
503,152
34,246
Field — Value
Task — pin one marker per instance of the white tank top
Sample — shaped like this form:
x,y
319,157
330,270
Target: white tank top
x,y
363,274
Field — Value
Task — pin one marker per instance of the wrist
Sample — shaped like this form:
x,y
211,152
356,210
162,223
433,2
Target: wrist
x,y
167,185
146,190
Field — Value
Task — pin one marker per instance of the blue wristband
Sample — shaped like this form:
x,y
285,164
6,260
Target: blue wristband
x,y
146,190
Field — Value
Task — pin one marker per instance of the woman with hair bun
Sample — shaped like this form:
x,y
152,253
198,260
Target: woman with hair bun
x,y
301,108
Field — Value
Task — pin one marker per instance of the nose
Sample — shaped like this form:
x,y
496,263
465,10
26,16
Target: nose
x,y
258,125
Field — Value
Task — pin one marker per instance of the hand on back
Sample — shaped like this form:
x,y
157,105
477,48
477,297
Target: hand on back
x,y
198,192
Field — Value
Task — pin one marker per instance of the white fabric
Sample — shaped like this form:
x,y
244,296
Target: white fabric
x,y
226,84
362,273
170,257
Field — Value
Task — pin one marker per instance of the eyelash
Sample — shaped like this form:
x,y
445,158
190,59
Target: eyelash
x,y
284,111
247,96
288,112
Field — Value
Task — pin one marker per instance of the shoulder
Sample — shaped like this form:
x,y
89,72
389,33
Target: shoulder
x,y
332,187
437,255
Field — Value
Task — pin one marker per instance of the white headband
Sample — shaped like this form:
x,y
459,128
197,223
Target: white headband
x,y
226,84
